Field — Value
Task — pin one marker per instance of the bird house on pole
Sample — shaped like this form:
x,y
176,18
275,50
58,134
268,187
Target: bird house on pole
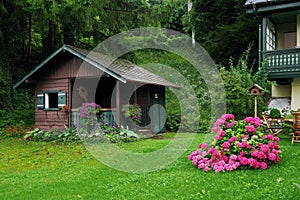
x,y
255,90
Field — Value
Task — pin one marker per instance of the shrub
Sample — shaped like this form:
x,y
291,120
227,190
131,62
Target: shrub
x,y
60,136
238,144
275,113
14,131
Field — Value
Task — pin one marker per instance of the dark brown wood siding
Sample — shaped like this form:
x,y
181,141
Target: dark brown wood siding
x,y
46,120
66,65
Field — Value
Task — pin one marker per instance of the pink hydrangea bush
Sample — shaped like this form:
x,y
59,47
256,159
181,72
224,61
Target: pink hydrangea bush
x,y
238,144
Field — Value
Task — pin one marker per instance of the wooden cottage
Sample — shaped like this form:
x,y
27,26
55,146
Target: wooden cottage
x,y
72,76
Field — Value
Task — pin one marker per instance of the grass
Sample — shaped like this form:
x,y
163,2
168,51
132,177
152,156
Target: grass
x,y
39,170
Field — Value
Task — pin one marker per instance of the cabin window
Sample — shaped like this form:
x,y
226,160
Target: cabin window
x,y
271,39
51,100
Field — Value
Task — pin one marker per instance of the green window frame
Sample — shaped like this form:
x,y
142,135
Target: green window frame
x,y
51,100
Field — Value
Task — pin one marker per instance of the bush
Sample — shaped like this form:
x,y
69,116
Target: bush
x,y
60,136
237,79
14,131
275,113
238,144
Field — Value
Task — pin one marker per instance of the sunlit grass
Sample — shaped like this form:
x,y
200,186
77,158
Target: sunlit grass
x,y
38,170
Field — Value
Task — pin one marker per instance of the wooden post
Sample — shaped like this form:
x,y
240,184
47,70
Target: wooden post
x,y
255,106
118,110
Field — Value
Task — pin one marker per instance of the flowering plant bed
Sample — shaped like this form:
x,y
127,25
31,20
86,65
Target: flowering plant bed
x,y
238,144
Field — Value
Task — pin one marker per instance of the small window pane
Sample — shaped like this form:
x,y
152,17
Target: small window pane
x,y
53,102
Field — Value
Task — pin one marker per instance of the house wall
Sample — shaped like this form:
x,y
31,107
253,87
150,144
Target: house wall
x,y
281,29
46,120
66,65
295,103
281,91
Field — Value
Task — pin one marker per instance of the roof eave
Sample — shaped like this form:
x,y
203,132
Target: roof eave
x,y
39,66
271,6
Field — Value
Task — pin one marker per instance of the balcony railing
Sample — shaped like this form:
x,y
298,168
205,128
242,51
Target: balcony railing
x,y
105,116
282,63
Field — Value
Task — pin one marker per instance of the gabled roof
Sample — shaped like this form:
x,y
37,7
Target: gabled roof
x,y
120,69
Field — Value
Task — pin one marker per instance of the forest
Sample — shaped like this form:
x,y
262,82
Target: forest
x,y
30,30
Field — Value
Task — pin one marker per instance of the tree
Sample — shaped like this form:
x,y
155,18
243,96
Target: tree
x,y
223,28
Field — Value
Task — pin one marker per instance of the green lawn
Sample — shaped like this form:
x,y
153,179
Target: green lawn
x,y
38,170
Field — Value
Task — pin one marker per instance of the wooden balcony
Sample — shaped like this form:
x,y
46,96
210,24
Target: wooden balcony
x,y
282,64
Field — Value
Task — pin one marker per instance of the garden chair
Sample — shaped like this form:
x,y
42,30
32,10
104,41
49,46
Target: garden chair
x,y
296,126
275,125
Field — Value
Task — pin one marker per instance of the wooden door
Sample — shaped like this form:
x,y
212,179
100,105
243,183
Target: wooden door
x,y
290,40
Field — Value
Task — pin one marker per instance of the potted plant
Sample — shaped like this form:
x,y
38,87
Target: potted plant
x,y
275,113
132,111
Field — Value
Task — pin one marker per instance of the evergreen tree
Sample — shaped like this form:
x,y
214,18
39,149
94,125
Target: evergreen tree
x,y
223,28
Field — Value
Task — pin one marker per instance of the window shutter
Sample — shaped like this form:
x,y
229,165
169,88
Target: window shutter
x,y
40,101
62,99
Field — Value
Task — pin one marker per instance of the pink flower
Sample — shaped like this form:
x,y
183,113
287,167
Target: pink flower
x,y
219,122
206,169
254,153
252,162
257,121
221,133
229,125
195,162
201,166
269,137
218,137
264,148
276,139
271,145
249,120
216,129
226,145
225,158
257,165
234,138
261,155
203,146
233,157
244,161
252,121
264,165
244,136
275,151
272,156
250,129
228,117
